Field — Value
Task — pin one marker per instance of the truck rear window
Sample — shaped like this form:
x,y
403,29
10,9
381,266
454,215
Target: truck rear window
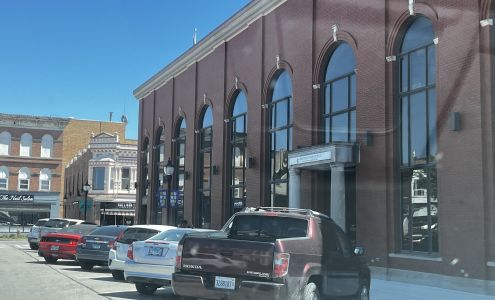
x,y
267,227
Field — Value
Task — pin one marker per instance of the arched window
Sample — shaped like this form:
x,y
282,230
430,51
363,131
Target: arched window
x,y
4,178
46,145
280,134
418,138
26,143
238,134
160,162
24,179
45,180
339,101
5,139
205,167
180,171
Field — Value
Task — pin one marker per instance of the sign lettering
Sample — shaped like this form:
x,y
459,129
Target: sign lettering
x,y
12,197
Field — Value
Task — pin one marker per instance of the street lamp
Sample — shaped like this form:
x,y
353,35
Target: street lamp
x,y
65,206
169,171
86,187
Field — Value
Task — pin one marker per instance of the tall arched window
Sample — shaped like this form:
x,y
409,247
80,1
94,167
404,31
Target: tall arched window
x,y
205,167
26,143
24,179
160,162
418,138
45,179
46,145
339,101
5,139
4,178
180,171
280,133
238,134
144,181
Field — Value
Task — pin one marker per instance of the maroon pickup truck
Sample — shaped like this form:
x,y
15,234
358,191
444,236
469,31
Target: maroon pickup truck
x,y
271,253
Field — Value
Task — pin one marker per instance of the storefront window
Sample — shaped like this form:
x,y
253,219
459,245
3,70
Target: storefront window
x,y
419,201
125,177
339,96
280,134
205,168
238,134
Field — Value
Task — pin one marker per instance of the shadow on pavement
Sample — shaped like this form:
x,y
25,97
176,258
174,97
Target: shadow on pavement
x,y
109,279
160,293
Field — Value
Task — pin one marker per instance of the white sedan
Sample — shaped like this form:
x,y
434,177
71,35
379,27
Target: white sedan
x,y
153,260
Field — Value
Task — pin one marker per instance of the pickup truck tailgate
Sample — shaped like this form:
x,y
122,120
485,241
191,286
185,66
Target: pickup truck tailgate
x,y
228,257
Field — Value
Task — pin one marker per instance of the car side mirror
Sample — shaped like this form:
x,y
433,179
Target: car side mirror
x,y
359,251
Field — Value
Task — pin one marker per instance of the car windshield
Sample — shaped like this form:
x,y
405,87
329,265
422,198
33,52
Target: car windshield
x,y
56,223
170,235
109,230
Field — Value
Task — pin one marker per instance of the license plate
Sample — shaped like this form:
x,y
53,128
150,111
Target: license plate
x,y
155,251
54,248
224,283
96,246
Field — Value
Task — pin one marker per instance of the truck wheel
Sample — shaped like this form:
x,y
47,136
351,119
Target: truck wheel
x,y
33,246
87,266
118,275
51,260
145,289
311,292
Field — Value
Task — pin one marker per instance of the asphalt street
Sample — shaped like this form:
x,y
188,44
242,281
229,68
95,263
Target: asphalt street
x,y
25,275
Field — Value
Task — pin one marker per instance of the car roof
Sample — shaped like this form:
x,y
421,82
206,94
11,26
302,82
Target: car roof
x,y
65,219
151,226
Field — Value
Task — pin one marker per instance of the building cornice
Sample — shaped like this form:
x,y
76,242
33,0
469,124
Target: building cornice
x,y
223,33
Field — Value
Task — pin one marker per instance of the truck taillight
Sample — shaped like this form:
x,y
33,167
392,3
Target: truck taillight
x,y
130,252
178,258
111,244
281,264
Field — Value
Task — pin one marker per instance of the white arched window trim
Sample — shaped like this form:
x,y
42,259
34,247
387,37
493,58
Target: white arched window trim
x,y
46,146
26,143
5,139
45,180
24,179
4,178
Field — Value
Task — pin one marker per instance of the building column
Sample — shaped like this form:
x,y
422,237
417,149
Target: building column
x,y
337,195
294,188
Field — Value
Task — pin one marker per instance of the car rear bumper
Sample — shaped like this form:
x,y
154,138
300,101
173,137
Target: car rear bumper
x,y
114,263
33,240
96,256
197,286
147,273
59,255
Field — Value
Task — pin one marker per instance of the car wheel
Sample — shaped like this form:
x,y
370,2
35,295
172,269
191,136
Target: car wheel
x,y
145,289
33,246
86,266
51,260
311,292
118,275
363,292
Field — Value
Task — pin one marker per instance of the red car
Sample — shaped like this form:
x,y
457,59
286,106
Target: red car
x,y
62,244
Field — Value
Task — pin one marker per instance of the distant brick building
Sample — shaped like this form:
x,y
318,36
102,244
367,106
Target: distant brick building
x,y
377,113
33,151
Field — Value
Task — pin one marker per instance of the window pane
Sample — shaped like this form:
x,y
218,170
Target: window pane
x,y
207,118
433,197
432,118
282,87
182,148
340,95
353,126
340,128
280,196
418,127
205,182
282,110
98,178
341,62
205,206
206,138
240,105
406,210
353,90
327,130
431,65
326,108
420,207
404,74
281,139
418,69
239,127
405,131
420,33
3,183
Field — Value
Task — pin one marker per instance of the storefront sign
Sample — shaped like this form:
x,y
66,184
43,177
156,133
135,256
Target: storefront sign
x,y
12,197
126,205
327,155
162,198
177,199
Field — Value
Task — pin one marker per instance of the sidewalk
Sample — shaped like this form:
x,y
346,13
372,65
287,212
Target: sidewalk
x,y
394,290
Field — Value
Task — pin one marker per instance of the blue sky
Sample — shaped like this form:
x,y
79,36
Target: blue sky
x,y
83,58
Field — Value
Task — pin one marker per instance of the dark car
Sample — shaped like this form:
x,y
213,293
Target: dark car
x,y
271,253
62,244
93,249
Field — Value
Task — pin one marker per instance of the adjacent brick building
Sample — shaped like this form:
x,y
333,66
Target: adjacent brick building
x,y
378,113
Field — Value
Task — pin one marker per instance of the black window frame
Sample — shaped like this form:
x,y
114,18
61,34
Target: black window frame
x,y
204,203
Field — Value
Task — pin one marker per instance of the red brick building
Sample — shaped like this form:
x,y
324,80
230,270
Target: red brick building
x,y
377,113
